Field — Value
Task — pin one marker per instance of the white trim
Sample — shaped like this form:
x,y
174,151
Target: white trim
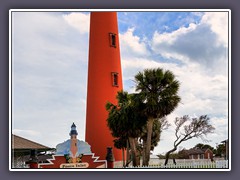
x,y
229,88
10,90
121,10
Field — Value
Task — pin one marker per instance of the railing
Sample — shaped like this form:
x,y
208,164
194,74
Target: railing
x,y
188,165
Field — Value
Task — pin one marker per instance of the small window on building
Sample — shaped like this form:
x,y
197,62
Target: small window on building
x,y
112,38
114,79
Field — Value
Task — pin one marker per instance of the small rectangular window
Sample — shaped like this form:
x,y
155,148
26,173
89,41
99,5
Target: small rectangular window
x,y
112,38
115,79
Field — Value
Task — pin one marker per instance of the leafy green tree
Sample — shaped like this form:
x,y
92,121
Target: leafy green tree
x,y
182,154
221,150
205,146
157,93
199,145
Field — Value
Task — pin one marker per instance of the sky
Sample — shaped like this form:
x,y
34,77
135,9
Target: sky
x,y
50,62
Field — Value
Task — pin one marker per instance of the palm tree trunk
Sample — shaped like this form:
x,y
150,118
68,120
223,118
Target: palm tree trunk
x,y
148,144
137,152
144,151
123,157
128,160
134,157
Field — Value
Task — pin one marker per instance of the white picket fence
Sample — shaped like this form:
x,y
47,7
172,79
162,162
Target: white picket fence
x,y
188,165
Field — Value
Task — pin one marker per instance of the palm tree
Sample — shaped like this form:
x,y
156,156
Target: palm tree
x,y
157,93
125,123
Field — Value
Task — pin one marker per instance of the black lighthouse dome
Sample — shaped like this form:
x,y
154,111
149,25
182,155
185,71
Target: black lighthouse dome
x,y
73,130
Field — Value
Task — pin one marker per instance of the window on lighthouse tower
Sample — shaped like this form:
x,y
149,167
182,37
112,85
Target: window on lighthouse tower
x,y
112,38
115,79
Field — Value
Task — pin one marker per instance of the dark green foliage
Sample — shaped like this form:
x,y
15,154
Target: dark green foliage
x,y
157,92
204,146
221,150
124,119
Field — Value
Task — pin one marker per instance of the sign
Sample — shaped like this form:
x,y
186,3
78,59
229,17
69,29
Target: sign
x,y
60,161
75,165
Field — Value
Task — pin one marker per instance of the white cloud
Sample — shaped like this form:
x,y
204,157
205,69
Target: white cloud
x,y
170,38
26,132
131,66
131,45
203,43
80,21
218,21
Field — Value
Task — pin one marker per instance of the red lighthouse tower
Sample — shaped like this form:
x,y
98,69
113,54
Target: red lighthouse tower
x,y
104,80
